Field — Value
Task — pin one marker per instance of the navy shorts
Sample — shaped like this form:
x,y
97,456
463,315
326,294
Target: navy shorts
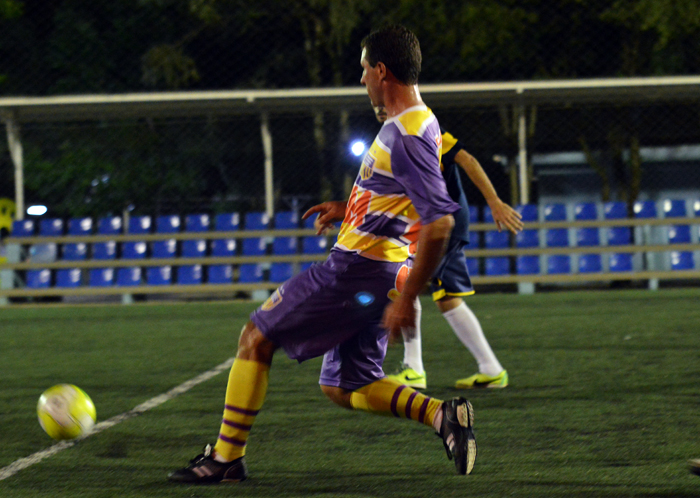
x,y
452,276
335,308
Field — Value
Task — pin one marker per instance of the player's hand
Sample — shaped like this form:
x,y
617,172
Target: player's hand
x,y
328,213
400,314
505,216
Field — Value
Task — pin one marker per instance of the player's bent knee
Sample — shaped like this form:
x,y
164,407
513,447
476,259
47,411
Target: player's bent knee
x,y
338,395
253,345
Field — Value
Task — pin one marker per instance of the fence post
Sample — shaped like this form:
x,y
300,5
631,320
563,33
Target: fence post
x,y
15,146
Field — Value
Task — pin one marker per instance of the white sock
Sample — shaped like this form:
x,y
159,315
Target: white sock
x,y
412,348
468,330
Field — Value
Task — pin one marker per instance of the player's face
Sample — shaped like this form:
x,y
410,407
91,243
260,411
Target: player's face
x,y
370,79
380,113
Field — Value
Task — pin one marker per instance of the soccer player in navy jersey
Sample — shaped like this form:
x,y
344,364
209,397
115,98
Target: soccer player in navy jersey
x,y
394,230
451,280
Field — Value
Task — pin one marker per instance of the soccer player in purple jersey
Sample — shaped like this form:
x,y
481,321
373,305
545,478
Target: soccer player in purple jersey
x,y
395,227
451,280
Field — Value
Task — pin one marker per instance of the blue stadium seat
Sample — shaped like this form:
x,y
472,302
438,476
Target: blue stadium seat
x,y
68,278
189,275
110,225
473,214
682,260
80,226
101,277
314,245
473,266
23,228
621,262
133,250
51,227
250,273
586,211
256,221
306,265
645,209
287,220
284,245
281,272
165,248
494,239
528,238
696,209
139,225
619,236
223,247
555,212
527,265
254,247
75,252
127,277
615,210
227,222
220,274
587,237
497,266
194,248
528,212
168,224
558,263
677,234
197,223
43,253
104,250
590,263
159,275
38,279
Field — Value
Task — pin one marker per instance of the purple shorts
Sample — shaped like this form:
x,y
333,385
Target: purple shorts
x,y
334,308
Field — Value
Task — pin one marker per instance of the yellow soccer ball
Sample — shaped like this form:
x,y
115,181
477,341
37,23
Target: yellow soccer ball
x,y
66,412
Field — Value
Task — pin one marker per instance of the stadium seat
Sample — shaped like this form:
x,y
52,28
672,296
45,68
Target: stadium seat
x,y
139,225
194,248
223,247
165,248
286,220
528,212
314,245
189,275
497,266
23,228
306,265
43,253
494,239
220,274
127,277
250,273
38,279
586,211
621,262
101,277
256,221
110,225
527,265
104,250
227,222
159,275
281,272
75,252
51,227
677,234
168,224
617,236
133,250
473,214
254,247
473,266
645,209
590,263
80,226
68,278
474,237
558,263
284,245
197,223
682,260
696,209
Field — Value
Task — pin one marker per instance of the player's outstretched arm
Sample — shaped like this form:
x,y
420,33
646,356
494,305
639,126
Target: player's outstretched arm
x,y
328,213
432,240
503,215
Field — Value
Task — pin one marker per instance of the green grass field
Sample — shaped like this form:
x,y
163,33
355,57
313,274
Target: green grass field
x,y
603,401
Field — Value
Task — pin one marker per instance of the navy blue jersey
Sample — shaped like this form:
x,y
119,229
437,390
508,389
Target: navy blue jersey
x,y
450,171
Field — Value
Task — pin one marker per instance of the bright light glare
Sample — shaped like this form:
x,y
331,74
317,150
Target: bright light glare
x,y
357,148
36,210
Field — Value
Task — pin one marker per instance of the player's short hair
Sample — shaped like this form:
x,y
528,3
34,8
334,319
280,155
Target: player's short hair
x,y
398,48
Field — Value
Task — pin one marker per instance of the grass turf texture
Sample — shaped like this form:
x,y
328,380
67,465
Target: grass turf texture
x,y
603,401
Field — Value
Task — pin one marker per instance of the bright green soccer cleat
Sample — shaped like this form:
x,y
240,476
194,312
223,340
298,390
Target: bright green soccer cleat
x,y
482,381
411,378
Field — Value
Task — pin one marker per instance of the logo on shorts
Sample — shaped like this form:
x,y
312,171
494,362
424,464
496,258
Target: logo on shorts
x,y
273,300
400,282
364,298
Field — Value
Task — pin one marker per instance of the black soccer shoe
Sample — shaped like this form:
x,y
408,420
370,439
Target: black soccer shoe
x,y
694,466
203,469
457,433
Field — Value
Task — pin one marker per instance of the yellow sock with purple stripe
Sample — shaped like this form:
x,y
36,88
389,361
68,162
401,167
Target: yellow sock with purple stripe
x,y
245,393
388,397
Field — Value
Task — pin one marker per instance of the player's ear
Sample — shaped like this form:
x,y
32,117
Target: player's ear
x,y
382,70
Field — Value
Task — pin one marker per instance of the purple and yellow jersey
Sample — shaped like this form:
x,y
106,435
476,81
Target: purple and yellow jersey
x,y
399,187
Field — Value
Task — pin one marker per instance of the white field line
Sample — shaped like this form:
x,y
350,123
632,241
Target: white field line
x,y
37,457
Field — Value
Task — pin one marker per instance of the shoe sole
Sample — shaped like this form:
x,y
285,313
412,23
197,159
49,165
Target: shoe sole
x,y
480,386
465,415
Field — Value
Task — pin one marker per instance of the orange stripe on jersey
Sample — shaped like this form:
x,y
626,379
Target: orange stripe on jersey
x,y
357,208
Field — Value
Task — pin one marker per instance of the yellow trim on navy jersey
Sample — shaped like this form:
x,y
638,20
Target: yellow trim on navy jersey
x,y
437,295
